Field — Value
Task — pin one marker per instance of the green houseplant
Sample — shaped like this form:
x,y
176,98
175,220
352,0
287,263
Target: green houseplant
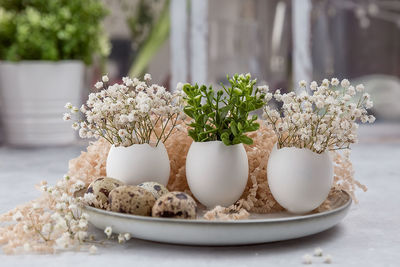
x,y
217,164
43,48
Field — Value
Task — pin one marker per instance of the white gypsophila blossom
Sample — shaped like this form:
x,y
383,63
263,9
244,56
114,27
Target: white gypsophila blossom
x,y
147,77
104,78
93,250
127,236
130,113
345,83
98,85
313,85
17,216
307,259
325,120
302,83
360,88
74,110
108,231
328,259
121,238
68,105
75,126
67,116
66,227
318,252
179,86
335,82
89,198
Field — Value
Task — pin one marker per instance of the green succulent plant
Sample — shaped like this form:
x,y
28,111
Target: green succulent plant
x,y
52,30
223,115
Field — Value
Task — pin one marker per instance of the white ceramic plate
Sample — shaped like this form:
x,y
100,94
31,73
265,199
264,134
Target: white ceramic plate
x,y
259,228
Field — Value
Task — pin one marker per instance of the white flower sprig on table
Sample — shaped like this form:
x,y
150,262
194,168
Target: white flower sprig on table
x,y
134,112
325,120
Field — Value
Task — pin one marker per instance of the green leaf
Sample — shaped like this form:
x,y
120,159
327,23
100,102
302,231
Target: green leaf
x,y
188,110
224,111
226,141
234,128
246,140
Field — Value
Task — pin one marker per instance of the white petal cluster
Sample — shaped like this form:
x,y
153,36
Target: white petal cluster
x,y
68,225
134,112
108,231
326,119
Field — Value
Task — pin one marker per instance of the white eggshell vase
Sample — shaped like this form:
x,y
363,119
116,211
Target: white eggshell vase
x,y
216,173
299,179
138,163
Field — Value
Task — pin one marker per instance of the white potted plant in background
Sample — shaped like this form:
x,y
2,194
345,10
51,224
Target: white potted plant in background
x,y
217,164
43,48
136,118
300,171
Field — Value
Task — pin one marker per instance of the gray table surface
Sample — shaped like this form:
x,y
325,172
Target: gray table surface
x,y
368,236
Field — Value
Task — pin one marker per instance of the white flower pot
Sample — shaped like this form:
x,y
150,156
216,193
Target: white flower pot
x,y
216,173
33,95
299,179
138,163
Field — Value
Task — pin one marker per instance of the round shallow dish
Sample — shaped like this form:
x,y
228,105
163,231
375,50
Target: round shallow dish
x,y
259,228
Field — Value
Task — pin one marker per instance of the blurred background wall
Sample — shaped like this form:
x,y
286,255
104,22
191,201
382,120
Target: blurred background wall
x,y
278,41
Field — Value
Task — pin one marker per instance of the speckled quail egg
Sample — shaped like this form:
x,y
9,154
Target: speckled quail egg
x,y
175,205
101,188
155,188
131,199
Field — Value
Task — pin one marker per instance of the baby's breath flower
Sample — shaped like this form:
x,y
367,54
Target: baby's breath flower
x,y
75,126
74,110
313,85
108,231
324,120
26,228
66,117
104,78
127,236
303,83
335,82
318,251
89,198
345,83
81,235
263,88
351,91
98,85
77,186
68,105
93,250
17,216
179,86
121,238
328,259
360,88
325,82
127,81
307,259
83,223
127,114
147,77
